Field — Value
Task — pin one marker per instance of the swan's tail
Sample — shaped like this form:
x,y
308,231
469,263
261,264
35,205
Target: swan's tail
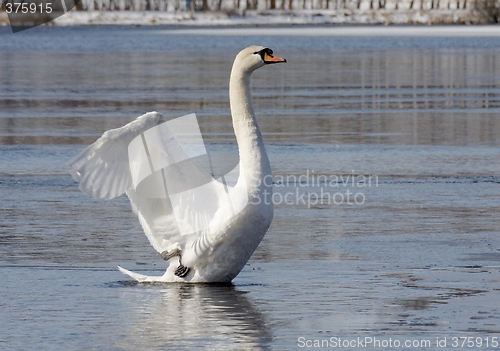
x,y
141,277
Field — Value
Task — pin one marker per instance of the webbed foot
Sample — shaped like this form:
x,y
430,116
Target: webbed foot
x,y
181,271
167,255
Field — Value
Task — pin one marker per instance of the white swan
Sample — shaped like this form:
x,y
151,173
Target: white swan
x,y
146,160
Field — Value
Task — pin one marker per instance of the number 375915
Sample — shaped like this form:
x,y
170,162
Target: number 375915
x,y
18,7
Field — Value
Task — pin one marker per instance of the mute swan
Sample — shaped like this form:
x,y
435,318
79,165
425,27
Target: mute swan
x,y
146,160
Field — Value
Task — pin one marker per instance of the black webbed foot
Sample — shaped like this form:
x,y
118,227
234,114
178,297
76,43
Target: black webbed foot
x,y
181,271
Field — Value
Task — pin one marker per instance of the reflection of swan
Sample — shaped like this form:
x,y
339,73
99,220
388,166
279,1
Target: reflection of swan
x,y
213,227
185,316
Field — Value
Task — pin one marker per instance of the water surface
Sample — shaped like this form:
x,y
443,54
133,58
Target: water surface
x,y
412,254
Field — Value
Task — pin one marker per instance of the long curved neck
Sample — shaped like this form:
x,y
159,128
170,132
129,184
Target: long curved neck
x,y
254,163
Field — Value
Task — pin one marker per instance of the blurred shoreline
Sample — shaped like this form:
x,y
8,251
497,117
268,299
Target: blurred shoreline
x,y
269,17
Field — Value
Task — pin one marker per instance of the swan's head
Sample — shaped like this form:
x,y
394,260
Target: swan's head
x,y
253,57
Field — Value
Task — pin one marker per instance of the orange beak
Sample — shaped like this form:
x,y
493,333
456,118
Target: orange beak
x,y
272,59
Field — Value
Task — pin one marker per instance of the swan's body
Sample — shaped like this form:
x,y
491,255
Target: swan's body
x,y
217,249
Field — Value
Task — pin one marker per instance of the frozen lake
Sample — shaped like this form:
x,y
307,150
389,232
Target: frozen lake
x,y
386,156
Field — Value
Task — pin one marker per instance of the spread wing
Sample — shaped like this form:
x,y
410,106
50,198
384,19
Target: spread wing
x,y
165,170
102,169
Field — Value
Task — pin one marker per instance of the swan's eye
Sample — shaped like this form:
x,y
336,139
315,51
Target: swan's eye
x,y
269,51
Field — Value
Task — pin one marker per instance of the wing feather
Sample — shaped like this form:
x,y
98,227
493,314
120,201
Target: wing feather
x,y
102,169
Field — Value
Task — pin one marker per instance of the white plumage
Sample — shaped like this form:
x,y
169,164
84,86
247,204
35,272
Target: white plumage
x,y
182,207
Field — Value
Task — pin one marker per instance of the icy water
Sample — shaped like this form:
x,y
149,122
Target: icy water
x,y
385,152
